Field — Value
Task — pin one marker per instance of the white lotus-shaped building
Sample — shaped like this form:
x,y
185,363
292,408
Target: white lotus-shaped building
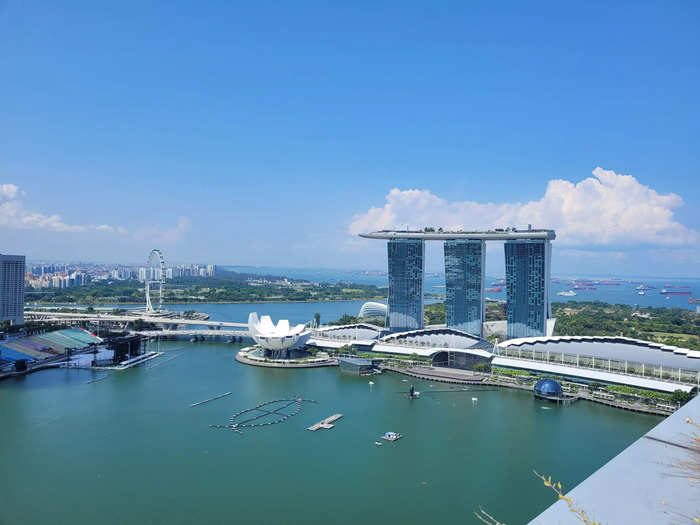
x,y
276,337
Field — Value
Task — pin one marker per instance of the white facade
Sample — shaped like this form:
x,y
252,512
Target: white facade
x,y
12,288
372,309
276,337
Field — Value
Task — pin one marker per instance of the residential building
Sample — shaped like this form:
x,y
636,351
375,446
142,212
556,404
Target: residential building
x,y
12,288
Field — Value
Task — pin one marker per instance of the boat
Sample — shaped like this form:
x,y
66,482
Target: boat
x,y
567,293
494,289
392,436
641,292
693,300
378,443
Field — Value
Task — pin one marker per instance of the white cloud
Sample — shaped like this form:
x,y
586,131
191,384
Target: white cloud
x,y
13,215
156,234
605,210
8,191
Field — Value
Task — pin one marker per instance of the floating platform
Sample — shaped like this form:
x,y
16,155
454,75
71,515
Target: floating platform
x,y
248,418
326,423
211,399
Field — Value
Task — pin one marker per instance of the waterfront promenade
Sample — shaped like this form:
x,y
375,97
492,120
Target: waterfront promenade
x,y
467,377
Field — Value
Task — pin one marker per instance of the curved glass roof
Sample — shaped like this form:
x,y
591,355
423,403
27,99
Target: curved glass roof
x,y
618,352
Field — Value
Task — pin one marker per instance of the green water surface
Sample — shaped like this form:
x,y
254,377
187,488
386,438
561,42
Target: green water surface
x,y
130,449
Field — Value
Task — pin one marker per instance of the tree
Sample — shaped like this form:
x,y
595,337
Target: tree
x,y
678,396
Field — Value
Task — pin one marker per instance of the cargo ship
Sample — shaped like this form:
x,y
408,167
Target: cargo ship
x,y
668,292
693,300
494,289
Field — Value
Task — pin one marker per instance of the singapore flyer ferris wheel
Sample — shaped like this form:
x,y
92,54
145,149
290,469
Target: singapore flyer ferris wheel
x,y
155,276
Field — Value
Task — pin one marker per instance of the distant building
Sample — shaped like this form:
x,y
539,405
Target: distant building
x,y
12,288
527,287
372,309
465,262
528,262
406,274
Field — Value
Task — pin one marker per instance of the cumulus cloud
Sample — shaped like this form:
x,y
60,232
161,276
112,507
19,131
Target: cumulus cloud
x,y
604,210
167,235
8,191
14,215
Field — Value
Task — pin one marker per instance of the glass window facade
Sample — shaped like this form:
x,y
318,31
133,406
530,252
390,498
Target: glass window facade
x,y
406,273
464,285
527,281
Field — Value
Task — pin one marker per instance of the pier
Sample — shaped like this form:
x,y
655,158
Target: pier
x,y
326,423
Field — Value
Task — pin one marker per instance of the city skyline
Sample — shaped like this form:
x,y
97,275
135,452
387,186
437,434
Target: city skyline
x,y
463,117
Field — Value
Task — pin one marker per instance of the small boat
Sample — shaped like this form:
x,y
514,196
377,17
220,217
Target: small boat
x,y
370,383
392,436
641,292
567,293
378,443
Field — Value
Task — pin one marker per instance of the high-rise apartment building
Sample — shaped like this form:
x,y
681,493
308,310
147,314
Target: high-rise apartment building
x,y
406,275
464,284
528,264
12,288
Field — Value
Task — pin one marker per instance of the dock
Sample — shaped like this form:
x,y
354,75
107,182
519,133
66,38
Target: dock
x,y
326,423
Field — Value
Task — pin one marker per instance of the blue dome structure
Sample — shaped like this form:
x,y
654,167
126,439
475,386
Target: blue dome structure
x,y
548,388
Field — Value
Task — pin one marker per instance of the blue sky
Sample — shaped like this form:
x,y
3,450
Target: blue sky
x,y
266,133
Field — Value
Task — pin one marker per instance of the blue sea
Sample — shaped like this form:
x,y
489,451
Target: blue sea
x,y
623,292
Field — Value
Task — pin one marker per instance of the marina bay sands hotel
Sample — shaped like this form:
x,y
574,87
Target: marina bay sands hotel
x,y
528,261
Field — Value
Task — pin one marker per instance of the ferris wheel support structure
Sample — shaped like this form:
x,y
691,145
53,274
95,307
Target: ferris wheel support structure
x,y
158,255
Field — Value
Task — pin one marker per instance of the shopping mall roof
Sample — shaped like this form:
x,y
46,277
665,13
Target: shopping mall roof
x,y
590,374
616,348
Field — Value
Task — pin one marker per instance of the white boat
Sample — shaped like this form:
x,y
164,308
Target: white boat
x,y
641,293
378,443
392,436
567,293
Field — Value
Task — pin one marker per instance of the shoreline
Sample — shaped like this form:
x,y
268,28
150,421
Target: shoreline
x,y
488,380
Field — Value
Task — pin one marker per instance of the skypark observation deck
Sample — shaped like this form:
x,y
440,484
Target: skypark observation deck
x,y
506,234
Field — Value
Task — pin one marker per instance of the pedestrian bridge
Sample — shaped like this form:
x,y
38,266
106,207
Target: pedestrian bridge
x,y
59,316
193,333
